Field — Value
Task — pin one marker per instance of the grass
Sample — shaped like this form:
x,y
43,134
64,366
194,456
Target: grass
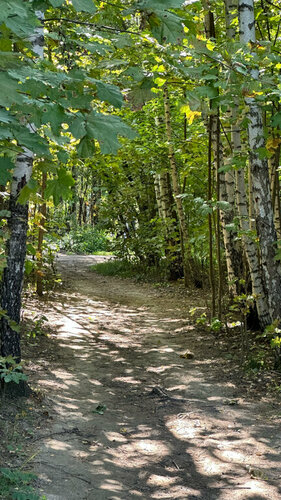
x,y
128,269
102,252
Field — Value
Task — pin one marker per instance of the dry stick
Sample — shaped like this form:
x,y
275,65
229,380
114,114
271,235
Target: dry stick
x,y
65,471
75,430
92,25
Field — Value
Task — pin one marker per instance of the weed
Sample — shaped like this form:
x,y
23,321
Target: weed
x,y
15,485
216,325
10,370
37,327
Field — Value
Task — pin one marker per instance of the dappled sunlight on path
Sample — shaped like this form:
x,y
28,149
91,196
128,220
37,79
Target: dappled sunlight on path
x,y
165,429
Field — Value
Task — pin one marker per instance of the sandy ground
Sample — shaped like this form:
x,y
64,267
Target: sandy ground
x,y
168,427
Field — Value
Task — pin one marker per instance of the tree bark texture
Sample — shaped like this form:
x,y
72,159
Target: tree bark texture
x,y
176,186
260,178
11,286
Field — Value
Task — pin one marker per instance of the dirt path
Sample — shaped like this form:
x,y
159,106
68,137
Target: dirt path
x,y
172,428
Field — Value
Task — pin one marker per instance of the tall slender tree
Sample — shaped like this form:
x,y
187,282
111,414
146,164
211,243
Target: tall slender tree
x,y
12,279
260,176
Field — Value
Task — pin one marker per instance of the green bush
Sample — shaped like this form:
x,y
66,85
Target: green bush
x,y
85,240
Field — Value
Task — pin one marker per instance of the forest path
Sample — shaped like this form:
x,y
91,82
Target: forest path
x,y
172,428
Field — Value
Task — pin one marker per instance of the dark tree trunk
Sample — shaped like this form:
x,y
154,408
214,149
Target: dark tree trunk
x,y
12,280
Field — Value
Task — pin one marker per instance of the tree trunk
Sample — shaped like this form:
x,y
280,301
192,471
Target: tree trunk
x,y
210,220
43,211
11,286
275,189
260,177
176,187
243,207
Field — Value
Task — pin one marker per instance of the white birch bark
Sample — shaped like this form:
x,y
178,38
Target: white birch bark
x,y
11,286
233,256
249,247
273,164
260,177
158,196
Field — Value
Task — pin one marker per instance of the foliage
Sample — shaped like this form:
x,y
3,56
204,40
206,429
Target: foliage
x,y
100,87
37,330
10,370
15,485
215,325
130,269
86,239
273,333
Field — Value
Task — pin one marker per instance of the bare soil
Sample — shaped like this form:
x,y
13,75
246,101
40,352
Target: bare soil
x,y
124,416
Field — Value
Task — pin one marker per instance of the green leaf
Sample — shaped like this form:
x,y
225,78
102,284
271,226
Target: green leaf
x,y
60,188
159,4
276,120
5,214
6,167
166,27
21,27
56,3
105,129
31,249
31,187
84,5
55,115
134,72
63,156
14,326
34,142
78,127
86,148
141,93
6,117
9,91
109,93
29,266
5,133
223,205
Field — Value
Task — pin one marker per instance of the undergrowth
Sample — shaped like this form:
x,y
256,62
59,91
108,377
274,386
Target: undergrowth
x,y
85,240
130,269
17,485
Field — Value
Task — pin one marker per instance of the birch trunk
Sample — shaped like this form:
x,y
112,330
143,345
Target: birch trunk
x,y
11,286
158,196
233,254
260,177
275,189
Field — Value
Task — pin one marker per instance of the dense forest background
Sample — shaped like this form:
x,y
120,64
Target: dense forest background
x,y
149,129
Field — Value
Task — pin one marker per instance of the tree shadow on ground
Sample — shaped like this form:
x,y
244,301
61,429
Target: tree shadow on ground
x,y
164,429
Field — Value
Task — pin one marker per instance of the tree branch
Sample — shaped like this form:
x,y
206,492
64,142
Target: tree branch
x,y
93,25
